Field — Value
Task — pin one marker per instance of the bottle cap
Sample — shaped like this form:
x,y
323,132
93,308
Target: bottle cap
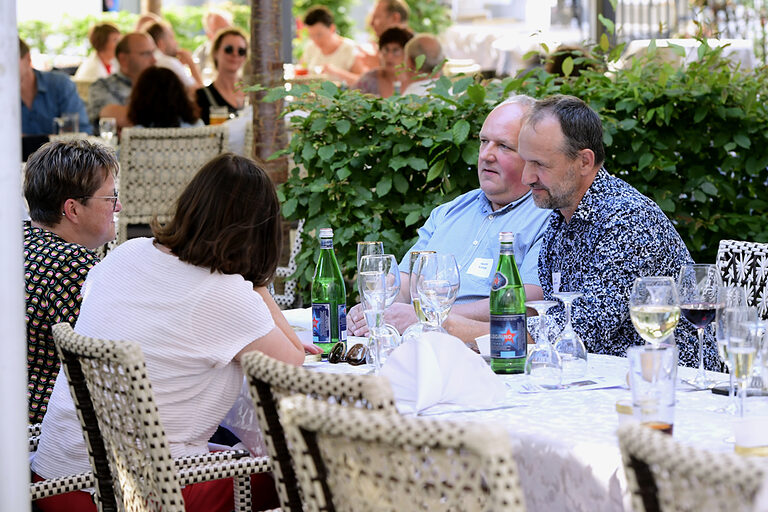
x,y
326,233
506,237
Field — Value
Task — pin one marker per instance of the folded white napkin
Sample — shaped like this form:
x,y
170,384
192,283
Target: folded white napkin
x,y
439,370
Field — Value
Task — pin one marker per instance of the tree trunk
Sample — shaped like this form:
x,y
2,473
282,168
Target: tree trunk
x,y
153,6
267,70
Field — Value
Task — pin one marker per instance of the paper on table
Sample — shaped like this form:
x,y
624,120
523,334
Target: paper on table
x,y
439,370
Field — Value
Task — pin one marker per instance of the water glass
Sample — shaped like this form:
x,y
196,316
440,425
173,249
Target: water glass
x,y
652,378
108,130
68,122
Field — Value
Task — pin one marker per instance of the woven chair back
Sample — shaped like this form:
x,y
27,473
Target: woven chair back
x,y
746,264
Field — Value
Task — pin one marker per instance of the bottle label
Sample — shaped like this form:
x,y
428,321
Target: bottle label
x,y
508,336
342,312
321,322
326,243
499,281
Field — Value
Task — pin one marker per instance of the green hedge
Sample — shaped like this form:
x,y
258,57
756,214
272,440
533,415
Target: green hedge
x,y
695,140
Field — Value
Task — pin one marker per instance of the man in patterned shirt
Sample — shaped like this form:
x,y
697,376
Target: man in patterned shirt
x,y
70,191
603,233
108,97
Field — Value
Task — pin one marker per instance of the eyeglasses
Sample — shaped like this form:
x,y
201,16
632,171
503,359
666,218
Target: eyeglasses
x,y
114,199
229,50
355,356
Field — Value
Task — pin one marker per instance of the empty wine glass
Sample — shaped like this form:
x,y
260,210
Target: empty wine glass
x,y
568,344
415,331
437,284
543,365
697,288
654,308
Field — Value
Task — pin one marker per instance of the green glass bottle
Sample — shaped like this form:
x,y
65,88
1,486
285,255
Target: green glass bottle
x,y
508,330
329,297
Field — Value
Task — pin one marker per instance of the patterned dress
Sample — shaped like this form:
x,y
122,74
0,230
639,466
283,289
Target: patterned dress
x,y
54,270
615,235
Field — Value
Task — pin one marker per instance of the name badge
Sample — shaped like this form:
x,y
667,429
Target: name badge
x,y
481,267
555,282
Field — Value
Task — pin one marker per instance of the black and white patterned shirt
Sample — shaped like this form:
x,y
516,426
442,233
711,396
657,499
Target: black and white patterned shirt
x,y
615,235
112,90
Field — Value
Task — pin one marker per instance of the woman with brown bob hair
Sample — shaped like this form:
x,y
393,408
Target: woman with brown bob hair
x,y
195,298
160,100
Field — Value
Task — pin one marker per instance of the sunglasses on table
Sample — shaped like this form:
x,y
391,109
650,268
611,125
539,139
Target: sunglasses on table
x,y
355,356
229,50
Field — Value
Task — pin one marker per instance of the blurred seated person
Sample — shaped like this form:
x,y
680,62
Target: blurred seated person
x,y
70,190
229,51
327,52
580,57
213,22
102,61
381,81
159,100
385,14
421,79
169,55
108,97
46,95
221,252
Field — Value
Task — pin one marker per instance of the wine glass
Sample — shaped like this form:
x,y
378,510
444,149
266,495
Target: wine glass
x,y
735,312
414,331
544,365
379,283
107,130
744,338
654,308
569,344
697,289
437,284
367,248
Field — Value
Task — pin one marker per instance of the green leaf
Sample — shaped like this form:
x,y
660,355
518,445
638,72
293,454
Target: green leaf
x,y
412,218
627,124
343,173
470,152
315,201
343,126
289,206
605,44
476,93
328,89
568,66
419,61
327,152
742,140
460,131
700,114
644,161
417,164
667,205
318,124
308,152
677,49
400,183
436,170
709,188
384,186
608,24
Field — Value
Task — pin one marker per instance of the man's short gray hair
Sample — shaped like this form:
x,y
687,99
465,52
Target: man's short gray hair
x,y
429,46
64,170
523,100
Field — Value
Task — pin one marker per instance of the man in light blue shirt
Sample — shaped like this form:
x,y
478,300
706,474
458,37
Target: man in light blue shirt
x,y
46,95
468,227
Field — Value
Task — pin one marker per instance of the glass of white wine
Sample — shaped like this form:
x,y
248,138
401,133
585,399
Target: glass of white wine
x,y
744,339
654,308
415,331
437,285
734,301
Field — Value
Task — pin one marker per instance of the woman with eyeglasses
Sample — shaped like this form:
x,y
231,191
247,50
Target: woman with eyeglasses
x,y
229,50
195,298
381,81
70,192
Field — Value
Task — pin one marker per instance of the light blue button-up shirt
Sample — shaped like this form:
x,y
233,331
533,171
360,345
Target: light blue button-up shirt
x,y
56,95
468,228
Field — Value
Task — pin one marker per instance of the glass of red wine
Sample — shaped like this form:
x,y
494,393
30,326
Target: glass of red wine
x,y
697,288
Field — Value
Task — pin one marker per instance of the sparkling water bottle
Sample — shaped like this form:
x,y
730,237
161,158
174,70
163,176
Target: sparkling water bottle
x,y
329,297
508,330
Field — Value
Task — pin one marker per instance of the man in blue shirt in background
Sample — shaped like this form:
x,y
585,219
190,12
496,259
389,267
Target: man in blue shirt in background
x,y
46,95
468,227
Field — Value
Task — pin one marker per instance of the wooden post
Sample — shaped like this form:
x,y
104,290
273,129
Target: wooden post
x,y
153,6
14,483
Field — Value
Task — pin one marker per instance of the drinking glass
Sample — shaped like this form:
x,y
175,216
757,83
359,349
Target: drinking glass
x,y
544,365
366,249
569,344
437,284
697,289
735,313
415,331
654,308
108,130
378,280
743,341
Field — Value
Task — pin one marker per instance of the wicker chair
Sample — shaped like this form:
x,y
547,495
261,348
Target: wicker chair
x,y
746,264
664,475
358,460
155,166
288,298
270,380
124,436
54,486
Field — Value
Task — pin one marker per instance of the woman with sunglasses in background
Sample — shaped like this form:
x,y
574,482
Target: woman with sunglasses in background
x,y
381,81
229,51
